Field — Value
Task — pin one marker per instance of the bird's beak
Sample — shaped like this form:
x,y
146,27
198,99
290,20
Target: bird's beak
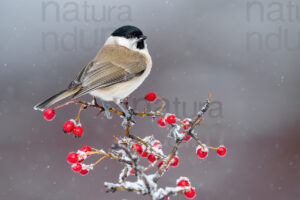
x,y
143,37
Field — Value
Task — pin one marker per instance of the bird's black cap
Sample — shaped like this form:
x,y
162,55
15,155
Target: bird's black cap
x,y
128,32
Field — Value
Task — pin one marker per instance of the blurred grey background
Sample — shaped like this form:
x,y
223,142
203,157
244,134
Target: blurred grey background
x,y
246,53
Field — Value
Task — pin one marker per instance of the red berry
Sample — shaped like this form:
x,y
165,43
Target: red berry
x,y
222,151
202,153
84,172
183,182
49,114
137,147
76,167
86,149
132,172
171,119
72,157
167,198
186,124
157,144
144,154
190,194
188,138
151,96
174,161
152,158
161,122
78,130
68,126
161,163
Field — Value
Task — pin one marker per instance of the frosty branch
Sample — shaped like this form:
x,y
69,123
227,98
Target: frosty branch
x,y
130,149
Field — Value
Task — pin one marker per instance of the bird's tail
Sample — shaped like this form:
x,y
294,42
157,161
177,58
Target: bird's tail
x,y
55,98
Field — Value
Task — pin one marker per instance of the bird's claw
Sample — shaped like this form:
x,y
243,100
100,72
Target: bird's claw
x,y
106,110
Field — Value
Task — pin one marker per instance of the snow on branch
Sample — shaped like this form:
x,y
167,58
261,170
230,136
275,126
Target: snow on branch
x,y
130,149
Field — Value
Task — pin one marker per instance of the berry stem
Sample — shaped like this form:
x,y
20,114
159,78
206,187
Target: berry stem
x,y
127,128
163,103
78,115
99,160
151,165
215,148
198,141
102,153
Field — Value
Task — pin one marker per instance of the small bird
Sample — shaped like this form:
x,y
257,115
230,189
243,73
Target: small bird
x,y
119,68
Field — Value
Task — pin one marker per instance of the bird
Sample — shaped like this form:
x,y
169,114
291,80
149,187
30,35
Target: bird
x,y
118,69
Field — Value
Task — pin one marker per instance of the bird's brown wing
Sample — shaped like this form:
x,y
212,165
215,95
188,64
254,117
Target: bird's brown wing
x,y
112,65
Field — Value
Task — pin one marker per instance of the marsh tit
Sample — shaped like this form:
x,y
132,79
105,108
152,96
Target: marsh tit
x,y
119,68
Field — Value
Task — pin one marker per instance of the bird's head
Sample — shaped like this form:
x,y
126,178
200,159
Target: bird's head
x,y
128,36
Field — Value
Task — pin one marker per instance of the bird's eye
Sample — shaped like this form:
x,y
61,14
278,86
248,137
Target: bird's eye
x,y
140,44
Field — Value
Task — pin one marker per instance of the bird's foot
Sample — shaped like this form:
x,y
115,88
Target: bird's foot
x,y
106,110
128,114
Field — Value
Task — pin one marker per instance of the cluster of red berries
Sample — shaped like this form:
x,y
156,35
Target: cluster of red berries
x,y
184,182
71,126
143,151
151,157
185,125
171,119
174,163
202,151
76,159
168,119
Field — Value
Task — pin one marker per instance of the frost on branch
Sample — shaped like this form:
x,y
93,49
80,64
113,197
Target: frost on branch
x,y
130,150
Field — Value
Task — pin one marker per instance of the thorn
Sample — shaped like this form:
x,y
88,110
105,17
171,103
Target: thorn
x,y
95,101
99,113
